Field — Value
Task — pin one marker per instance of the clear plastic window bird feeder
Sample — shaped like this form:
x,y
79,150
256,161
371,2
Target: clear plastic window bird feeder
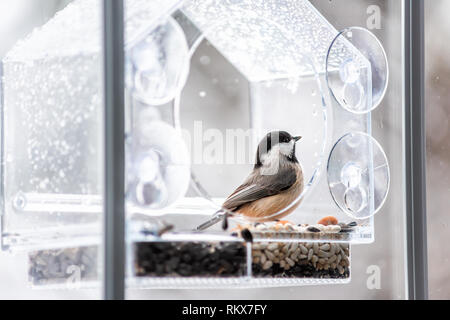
x,y
205,81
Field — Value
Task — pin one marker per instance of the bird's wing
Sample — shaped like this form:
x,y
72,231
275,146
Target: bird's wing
x,y
258,186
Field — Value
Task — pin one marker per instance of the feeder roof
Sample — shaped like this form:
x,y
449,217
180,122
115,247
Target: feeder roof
x,y
267,39
77,29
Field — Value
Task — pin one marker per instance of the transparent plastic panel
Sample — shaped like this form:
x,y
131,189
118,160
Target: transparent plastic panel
x,y
275,81
358,175
52,121
160,65
265,89
349,77
44,144
231,88
254,109
204,85
255,36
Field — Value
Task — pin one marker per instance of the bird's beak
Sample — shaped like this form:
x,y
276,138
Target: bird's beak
x,y
297,138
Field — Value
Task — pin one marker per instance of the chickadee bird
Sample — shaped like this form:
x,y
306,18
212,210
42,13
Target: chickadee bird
x,y
275,182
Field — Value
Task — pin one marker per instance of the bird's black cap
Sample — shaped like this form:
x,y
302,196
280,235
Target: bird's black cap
x,y
272,139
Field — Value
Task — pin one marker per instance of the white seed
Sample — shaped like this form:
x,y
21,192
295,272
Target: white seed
x,y
332,259
341,270
263,245
263,259
310,254
256,253
267,265
333,249
272,246
293,247
323,254
316,247
291,263
303,249
335,228
282,263
303,256
314,259
325,247
345,259
269,255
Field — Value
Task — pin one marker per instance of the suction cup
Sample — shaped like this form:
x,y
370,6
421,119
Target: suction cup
x,y
158,167
358,175
357,70
160,64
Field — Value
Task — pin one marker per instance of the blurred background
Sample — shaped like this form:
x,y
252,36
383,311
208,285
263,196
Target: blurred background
x,y
386,254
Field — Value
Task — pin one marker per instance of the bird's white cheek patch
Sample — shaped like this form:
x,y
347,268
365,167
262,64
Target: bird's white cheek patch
x,y
286,148
271,162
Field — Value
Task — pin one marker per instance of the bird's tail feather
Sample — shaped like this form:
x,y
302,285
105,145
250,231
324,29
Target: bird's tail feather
x,y
217,217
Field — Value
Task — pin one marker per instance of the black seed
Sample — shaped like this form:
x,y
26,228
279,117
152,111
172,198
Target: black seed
x,y
313,229
247,235
225,221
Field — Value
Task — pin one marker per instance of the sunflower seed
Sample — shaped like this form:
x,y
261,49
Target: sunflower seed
x,y
263,259
310,254
267,265
323,254
291,263
294,246
269,254
303,249
340,269
316,247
